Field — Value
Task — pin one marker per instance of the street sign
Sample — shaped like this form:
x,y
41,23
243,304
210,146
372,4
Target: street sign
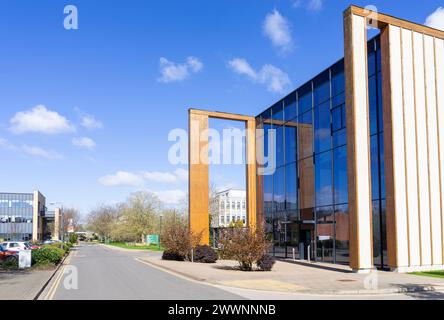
x,y
24,259
152,239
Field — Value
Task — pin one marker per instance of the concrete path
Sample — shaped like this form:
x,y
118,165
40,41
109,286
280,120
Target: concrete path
x,y
107,274
297,278
22,285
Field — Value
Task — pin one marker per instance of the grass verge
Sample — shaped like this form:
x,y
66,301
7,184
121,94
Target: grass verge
x,y
129,246
433,274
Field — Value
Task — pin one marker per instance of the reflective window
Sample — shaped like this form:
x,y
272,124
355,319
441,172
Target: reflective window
x,y
290,142
340,175
323,179
322,128
290,111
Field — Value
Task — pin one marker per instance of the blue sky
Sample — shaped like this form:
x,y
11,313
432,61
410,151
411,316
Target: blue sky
x,y
85,114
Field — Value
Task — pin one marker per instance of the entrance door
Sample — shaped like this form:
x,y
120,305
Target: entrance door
x,y
306,239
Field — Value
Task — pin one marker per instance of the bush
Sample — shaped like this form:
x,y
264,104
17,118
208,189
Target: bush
x,y
47,255
73,238
177,239
169,255
265,263
204,254
245,245
64,246
10,262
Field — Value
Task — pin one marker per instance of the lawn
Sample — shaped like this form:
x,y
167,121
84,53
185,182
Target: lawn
x,y
434,274
125,245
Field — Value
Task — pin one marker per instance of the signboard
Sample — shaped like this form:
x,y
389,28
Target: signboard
x,y
25,259
152,239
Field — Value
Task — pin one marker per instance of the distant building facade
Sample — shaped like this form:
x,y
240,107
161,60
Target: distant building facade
x,y
24,217
232,206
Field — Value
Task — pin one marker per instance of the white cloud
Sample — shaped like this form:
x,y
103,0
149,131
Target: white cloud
x,y
84,142
40,120
182,174
171,197
91,123
274,78
5,144
40,152
161,177
436,19
139,178
277,28
172,71
315,5
121,178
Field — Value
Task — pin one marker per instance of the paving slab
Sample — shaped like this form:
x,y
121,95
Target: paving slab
x,y
300,277
22,285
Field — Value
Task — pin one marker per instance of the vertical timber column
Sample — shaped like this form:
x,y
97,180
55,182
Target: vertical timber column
x,y
251,173
198,175
358,142
394,145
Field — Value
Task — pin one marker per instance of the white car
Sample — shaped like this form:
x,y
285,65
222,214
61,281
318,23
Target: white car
x,y
14,246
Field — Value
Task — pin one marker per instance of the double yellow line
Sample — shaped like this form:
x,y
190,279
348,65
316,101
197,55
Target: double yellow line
x,y
53,289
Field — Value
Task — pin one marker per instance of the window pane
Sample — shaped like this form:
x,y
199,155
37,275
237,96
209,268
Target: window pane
x,y
279,145
375,167
305,135
336,115
323,179
279,190
325,233
377,245
373,105
322,127
340,175
290,143
278,113
322,88
291,188
290,107
306,183
337,83
342,234
381,151
305,101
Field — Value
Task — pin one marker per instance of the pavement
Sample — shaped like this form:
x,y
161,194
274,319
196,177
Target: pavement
x,y
303,278
22,285
97,272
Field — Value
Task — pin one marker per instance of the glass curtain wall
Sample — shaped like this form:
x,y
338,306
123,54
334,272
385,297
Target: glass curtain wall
x,y
16,211
305,200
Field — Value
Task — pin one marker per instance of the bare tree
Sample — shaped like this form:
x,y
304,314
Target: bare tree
x,y
71,218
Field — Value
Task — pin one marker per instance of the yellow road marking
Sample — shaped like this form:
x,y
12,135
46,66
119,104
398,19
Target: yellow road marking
x,y
51,292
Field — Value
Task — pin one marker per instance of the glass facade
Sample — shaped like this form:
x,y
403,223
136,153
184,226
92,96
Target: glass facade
x,y
305,201
16,214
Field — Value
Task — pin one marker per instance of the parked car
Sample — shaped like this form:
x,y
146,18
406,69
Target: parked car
x,y
6,255
15,246
32,246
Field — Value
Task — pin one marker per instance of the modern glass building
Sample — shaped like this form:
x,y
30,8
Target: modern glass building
x,y
358,176
22,216
305,202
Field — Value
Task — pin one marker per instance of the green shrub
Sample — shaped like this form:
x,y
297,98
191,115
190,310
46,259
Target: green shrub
x,y
64,246
47,255
10,262
73,238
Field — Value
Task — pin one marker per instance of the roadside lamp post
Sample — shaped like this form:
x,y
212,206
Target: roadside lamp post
x,y
62,223
160,228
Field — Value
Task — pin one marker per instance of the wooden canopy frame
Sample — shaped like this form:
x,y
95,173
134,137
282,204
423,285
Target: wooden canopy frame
x,y
198,169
